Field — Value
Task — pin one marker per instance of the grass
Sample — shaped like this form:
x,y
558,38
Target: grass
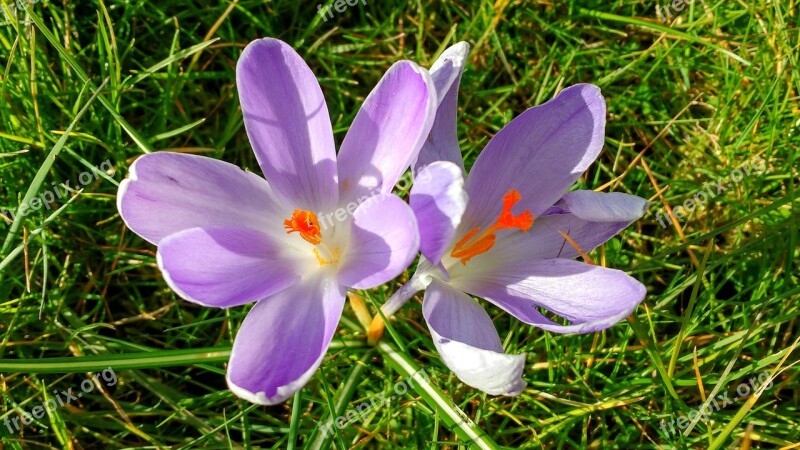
x,y
688,101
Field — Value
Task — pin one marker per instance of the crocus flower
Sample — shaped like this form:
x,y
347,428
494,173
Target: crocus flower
x,y
509,233
293,243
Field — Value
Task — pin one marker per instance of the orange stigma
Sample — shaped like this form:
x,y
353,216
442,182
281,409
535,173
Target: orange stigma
x,y
305,223
470,246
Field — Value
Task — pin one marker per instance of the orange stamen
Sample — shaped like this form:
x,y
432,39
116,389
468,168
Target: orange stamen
x,y
464,250
465,239
305,223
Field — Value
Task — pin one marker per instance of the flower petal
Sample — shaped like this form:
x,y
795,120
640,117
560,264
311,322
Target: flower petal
x,y
287,121
589,218
225,266
467,340
605,206
283,339
442,143
388,132
592,298
540,154
438,200
384,240
169,192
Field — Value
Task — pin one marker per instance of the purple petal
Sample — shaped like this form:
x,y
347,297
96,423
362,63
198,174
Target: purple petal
x,y
467,340
287,120
544,240
592,298
169,192
438,200
388,132
605,206
540,154
283,339
442,143
589,218
384,240
225,266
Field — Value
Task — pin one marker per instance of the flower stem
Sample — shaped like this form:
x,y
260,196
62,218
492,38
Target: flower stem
x,y
419,281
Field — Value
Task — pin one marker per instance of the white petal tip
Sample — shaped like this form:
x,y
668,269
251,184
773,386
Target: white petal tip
x,y
259,398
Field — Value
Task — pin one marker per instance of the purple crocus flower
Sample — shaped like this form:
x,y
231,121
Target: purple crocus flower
x,y
500,234
293,243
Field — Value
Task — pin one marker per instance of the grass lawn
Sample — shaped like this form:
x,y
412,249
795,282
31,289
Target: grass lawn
x,y
708,98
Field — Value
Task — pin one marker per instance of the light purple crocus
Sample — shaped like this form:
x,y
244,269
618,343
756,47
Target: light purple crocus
x,y
295,242
500,235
